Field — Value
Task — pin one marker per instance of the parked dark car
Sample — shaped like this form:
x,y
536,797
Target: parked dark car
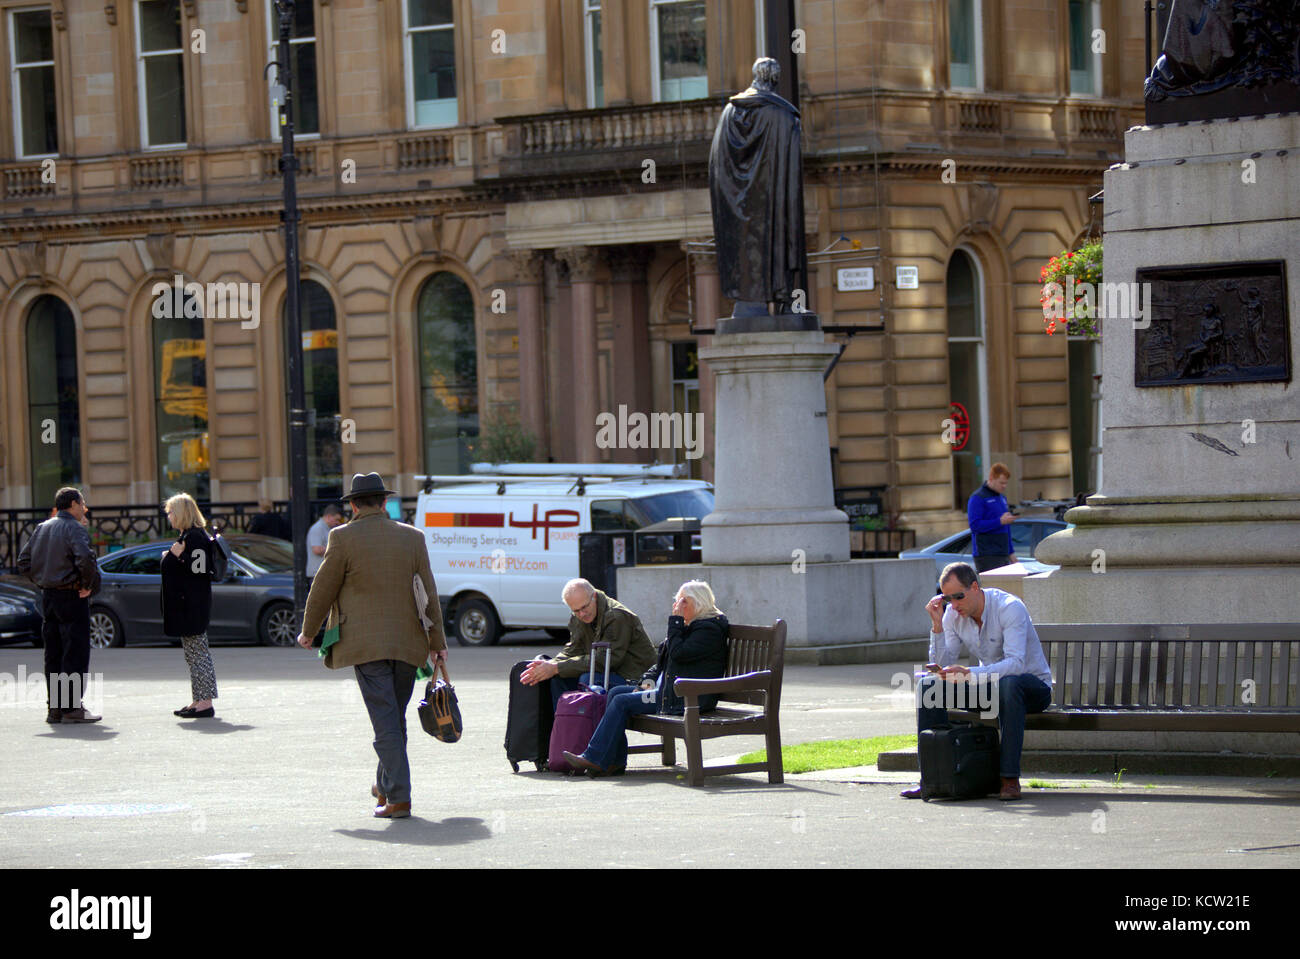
x,y
253,603
20,614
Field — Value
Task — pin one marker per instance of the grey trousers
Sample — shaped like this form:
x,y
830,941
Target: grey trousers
x,y
203,676
386,686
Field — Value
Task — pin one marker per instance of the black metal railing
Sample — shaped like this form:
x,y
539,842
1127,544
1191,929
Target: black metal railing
x,y
116,527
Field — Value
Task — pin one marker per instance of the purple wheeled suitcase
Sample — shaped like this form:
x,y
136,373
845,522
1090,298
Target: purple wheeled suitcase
x,y
576,717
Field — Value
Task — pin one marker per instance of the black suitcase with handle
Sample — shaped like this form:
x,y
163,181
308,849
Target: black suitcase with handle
x,y
959,761
529,718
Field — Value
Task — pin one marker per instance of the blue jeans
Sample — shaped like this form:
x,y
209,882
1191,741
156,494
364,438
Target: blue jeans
x,y
561,685
608,746
1017,696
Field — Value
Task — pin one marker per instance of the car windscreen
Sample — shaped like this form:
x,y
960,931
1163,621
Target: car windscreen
x,y
686,504
267,554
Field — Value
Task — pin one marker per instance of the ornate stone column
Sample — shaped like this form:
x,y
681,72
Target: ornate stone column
x,y
630,308
583,263
527,266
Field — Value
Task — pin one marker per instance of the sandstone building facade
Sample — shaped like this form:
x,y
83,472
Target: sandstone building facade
x,y
505,216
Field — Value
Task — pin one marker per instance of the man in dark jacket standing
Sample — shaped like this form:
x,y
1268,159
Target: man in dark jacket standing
x,y
59,559
596,618
989,519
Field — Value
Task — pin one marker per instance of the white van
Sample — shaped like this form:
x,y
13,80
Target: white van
x,y
504,541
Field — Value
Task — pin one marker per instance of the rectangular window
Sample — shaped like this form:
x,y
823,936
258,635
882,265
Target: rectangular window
x,y
1085,66
302,64
965,45
430,63
160,73
31,39
595,55
677,50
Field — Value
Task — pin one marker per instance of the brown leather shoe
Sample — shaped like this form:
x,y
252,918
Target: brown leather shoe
x,y
393,810
1010,788
79,715
917,793
581,762
380,797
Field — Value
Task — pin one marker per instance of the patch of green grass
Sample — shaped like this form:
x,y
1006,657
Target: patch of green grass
x,y
1042,784
833,753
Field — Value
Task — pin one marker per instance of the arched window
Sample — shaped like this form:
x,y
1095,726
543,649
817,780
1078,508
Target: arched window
x,y
448,373
966,375
320,376
54,423
180,359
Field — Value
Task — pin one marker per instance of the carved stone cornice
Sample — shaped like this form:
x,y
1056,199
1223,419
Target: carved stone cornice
x,y
627,263
241,6
110,12
190,12
59,15
583,262
526,265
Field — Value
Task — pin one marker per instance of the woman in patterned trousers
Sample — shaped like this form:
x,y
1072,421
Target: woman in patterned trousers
x,y
187,600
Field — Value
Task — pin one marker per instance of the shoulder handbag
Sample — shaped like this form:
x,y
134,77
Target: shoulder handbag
x,y
439,711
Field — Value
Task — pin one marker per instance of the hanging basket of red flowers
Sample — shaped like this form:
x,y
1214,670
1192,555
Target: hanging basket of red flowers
x,y
1071,291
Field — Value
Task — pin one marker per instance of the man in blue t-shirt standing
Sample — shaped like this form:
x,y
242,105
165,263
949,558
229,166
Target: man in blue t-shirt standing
x,y
990,518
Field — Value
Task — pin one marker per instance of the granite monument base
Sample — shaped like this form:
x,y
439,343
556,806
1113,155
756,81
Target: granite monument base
x,y
857,611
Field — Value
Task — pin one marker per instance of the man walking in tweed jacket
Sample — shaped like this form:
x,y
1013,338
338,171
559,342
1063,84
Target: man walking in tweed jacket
x,y
366,586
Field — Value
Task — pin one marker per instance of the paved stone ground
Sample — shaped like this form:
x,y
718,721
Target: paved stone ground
x,y
281,779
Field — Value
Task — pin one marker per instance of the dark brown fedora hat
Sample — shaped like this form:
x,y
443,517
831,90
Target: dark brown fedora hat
x,y
367,484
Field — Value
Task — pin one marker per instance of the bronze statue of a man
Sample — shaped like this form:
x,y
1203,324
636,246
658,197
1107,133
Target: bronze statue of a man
x,y
756,191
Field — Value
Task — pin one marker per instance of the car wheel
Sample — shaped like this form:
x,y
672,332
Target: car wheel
x,y
476,623
559,635
277,626
105,629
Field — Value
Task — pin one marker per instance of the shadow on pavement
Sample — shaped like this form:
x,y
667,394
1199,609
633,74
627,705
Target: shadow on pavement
x,y
415,831
211,726
91,732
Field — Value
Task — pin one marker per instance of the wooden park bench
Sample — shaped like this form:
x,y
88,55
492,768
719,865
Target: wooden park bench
x,y
755,664
1202,678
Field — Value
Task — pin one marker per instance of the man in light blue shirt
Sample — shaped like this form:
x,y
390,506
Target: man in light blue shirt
x,y
995,627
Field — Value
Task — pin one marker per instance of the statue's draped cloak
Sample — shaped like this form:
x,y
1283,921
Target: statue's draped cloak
x,y
755,186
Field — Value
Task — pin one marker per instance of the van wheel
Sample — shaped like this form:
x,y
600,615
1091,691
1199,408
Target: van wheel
x,y
476,623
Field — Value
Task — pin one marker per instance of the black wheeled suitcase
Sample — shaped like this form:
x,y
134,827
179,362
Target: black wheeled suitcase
x,y
528,721
959,761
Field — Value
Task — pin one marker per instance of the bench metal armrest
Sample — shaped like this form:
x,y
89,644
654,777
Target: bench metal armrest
x,y
692,688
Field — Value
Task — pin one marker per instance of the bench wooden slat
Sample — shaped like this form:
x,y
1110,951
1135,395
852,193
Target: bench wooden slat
x,y
1248,665
1162,666
1211,651
1144,688
1094,673
1074,658
1230,686
1178,671
1284,673
1196,674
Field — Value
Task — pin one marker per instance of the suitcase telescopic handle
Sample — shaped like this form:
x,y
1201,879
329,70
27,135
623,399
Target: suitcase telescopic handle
x,y
605,647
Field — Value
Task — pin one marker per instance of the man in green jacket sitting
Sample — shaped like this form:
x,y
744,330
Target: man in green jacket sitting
x,y
596,618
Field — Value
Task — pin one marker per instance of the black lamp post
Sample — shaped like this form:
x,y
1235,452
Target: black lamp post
x,y
298,516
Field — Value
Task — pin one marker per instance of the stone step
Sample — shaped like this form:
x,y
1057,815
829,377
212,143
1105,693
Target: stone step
x,y
1112,761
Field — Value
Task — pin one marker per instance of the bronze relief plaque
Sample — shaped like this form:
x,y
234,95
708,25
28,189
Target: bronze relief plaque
x,y
1220,323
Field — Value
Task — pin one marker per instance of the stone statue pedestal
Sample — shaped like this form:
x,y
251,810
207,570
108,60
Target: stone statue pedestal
x,y
775,545
1198,517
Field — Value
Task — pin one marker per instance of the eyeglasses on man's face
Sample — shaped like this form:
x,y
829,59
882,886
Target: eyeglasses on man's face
x,y
579,610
